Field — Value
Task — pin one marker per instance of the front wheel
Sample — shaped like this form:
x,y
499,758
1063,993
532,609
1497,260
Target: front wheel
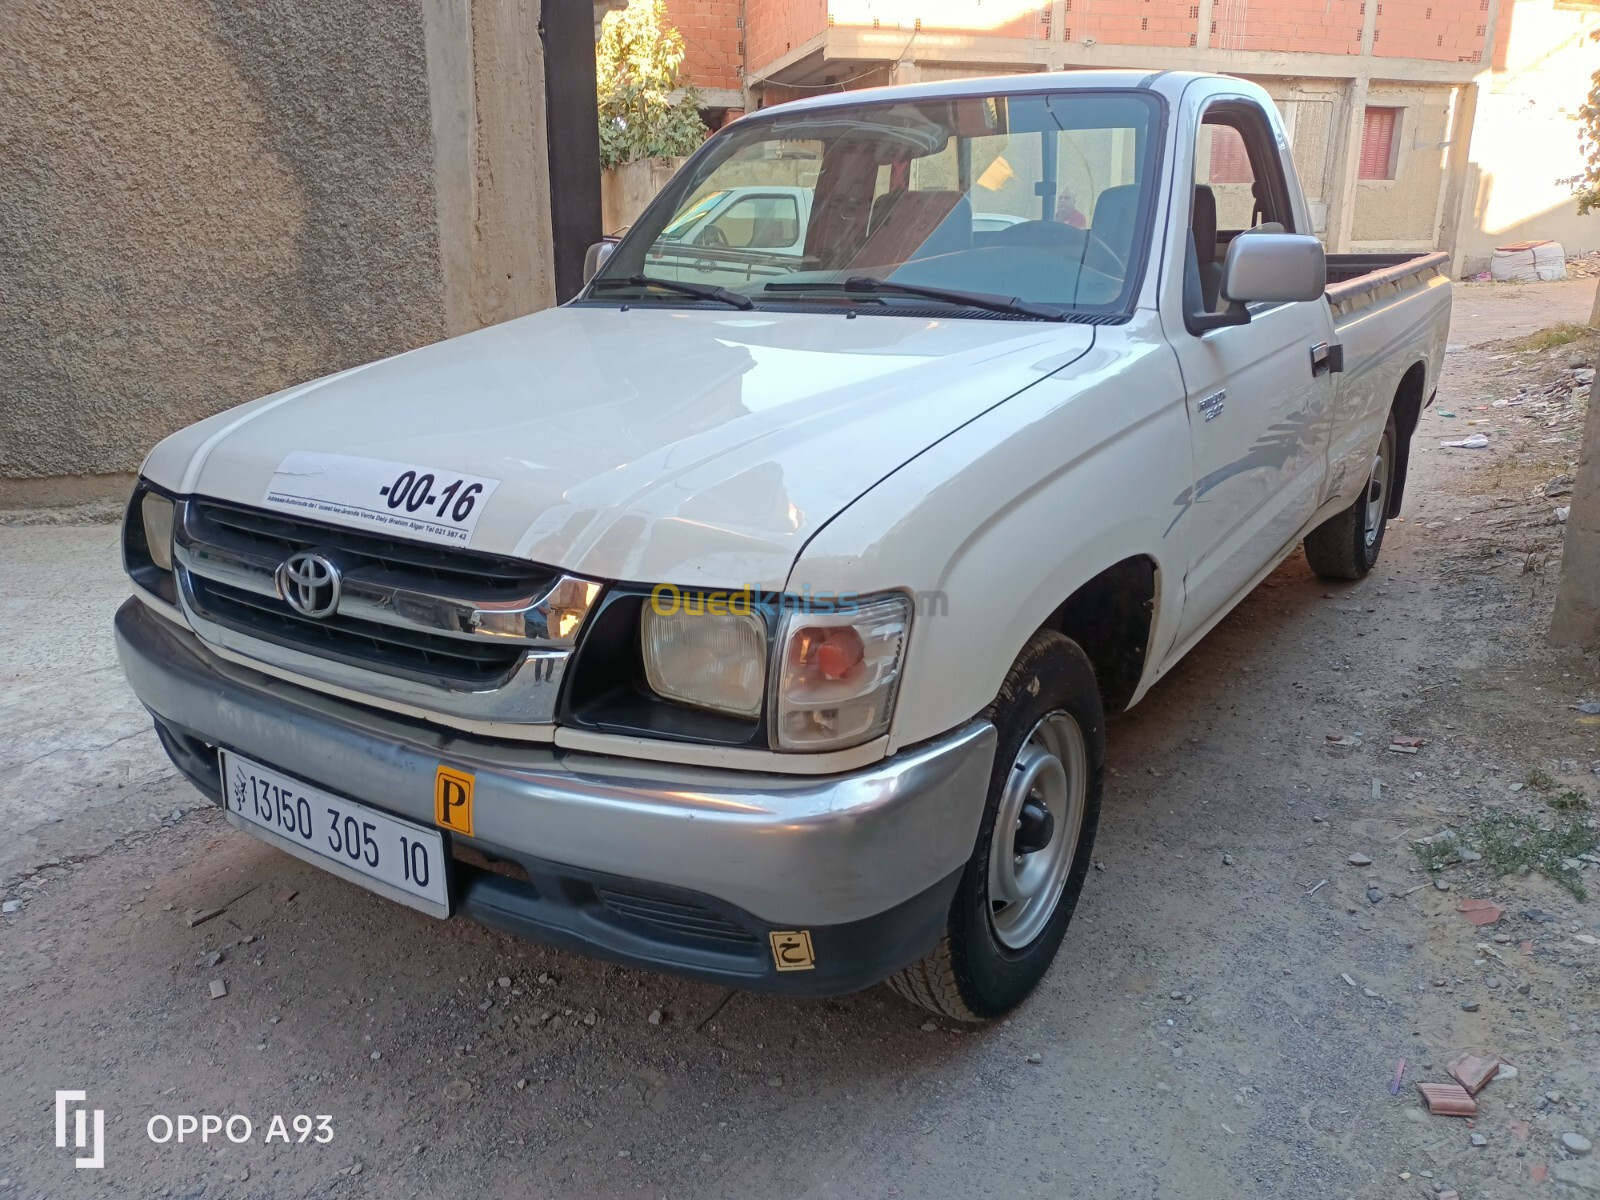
x,y
1346,546
1022,882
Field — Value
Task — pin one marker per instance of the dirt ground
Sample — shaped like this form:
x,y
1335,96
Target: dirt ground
x,y
1224,1022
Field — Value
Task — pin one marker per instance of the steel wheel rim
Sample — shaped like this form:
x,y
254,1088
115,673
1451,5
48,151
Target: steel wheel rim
x,y
1052,769
1377,492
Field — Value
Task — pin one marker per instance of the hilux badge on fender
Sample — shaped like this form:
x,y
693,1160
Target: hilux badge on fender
x,y
310,583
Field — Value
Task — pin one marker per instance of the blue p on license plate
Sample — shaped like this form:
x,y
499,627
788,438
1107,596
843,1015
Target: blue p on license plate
x,y
395,858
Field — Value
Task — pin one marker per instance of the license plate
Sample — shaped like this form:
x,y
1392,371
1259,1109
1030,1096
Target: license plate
x,y
394,858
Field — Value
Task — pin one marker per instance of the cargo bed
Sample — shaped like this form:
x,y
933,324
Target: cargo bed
x,y
1356,281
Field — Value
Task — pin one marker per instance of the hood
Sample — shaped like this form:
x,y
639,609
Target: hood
x,y
652,444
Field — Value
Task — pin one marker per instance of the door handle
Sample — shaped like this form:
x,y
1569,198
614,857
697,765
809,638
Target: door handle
x,y
1326,358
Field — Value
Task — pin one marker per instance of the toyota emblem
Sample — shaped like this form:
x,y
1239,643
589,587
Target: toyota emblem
x,y
310,583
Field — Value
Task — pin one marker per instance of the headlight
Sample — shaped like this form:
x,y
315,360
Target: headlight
x,y
838,673
706,659
156,512
147,542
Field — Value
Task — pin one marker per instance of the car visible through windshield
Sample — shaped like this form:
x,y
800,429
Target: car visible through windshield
x,y
1031,204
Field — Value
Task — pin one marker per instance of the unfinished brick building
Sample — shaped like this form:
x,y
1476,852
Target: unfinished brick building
x,y
1417,124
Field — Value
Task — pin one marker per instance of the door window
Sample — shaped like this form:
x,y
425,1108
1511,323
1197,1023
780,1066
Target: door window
x,y
769,222
691,216
1239,188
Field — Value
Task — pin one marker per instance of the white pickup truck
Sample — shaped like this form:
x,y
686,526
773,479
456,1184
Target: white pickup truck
x,y
762,627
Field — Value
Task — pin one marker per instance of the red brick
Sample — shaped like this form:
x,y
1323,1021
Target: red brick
x,y
1472,1072
1448,1099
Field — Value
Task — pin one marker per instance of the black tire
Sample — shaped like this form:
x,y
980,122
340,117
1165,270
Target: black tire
x,y
1346,546
972,975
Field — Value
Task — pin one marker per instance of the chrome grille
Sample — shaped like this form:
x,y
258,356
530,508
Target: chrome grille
x,y
412,653
281,536
447,630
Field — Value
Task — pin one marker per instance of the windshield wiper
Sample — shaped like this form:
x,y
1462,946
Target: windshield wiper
x,y
700,291
867,285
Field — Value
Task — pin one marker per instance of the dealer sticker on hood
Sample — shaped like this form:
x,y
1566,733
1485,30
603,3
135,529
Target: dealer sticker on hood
x,y
399,498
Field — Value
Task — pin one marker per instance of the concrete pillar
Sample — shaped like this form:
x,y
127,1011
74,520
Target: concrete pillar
x,y
1347,162
491,165
1577,615
1463,118
1491,18
1202,33
905,71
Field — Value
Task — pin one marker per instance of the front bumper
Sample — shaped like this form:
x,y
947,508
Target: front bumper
x,y
696,870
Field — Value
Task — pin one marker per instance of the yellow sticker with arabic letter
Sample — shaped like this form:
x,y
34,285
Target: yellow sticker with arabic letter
x,y
452,799
791,950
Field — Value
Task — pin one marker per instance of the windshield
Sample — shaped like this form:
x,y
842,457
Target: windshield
x,y
1042,197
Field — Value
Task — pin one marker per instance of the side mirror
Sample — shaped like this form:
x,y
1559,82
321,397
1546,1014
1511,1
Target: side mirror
x,y
595,257
1274,267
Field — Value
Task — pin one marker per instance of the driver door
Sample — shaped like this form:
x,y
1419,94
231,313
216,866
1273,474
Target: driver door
x,y
1259,405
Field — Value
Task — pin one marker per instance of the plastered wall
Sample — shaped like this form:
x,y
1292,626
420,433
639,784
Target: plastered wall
x,y
1403,212
197,210
1525,138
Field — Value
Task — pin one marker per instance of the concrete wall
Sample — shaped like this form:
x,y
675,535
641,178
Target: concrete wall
x,y
628,189
204,202
1525,136
1403,213
1312,109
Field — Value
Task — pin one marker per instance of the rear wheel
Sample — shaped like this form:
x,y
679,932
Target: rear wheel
x,y
1346,546
1022,882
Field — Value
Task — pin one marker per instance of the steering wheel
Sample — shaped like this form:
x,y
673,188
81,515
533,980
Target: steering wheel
x,y
712,238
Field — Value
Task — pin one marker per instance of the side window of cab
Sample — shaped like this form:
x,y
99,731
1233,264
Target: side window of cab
x,y
761,222
1239,188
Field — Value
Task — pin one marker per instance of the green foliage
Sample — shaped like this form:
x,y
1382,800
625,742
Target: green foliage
x,y
1548,339
637,64
1587,185
1514,841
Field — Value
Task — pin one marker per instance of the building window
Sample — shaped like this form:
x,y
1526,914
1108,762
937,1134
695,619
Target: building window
x,y
1380,138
